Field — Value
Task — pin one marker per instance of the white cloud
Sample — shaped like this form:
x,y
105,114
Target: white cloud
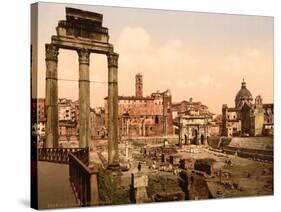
x,y
138,52
252,52
203,81
246,60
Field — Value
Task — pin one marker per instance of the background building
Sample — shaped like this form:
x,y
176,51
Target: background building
x,y
67,112
189,108
247,118
191,113
144,116
194,129
97,123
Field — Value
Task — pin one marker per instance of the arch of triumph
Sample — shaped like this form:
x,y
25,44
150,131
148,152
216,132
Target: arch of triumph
x,y
82,31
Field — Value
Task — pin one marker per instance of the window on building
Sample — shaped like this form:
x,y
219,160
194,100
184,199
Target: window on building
x,y
156,119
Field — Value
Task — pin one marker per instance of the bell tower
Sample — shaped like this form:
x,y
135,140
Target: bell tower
x,y
139,85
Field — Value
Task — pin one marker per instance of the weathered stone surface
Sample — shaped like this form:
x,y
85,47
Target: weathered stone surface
x,y
139,184
194,129
113,157
84,97
140,180
51,96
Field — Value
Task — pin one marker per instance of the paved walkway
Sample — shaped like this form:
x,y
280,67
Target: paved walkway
x,y
54,190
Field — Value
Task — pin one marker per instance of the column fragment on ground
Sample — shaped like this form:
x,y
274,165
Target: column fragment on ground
x,y
51,101
113,160
84,98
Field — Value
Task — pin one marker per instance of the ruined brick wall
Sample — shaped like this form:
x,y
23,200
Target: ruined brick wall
x,y
194,186
203,166
97,123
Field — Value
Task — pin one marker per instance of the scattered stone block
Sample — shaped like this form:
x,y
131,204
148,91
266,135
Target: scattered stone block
x,y
139,184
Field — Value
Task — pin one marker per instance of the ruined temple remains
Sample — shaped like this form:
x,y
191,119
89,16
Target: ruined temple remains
x,y
82,31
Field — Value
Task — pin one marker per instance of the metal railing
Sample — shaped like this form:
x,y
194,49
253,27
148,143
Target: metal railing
x,y
83,179
57,155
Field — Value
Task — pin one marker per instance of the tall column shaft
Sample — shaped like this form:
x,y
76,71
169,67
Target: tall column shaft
x,y
180,132
84,98
127,127
188,136
143,128
51,98
166,124
113,159
206,135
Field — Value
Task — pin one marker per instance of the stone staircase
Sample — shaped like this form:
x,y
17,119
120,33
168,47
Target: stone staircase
x,y
256,143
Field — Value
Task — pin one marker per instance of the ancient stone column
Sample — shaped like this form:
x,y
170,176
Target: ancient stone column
x,y
206,135
127,150
113,159
127,127
143,128
84,98
51,100
188,136
165,125
140,129
180,132
198,139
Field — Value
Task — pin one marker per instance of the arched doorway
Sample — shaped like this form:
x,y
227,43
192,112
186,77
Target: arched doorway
x,y
202,139
194,134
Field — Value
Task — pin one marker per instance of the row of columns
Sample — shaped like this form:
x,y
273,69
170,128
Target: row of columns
x,y
84,100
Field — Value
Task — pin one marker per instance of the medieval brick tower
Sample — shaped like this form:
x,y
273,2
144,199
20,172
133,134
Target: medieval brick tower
x,y
139,85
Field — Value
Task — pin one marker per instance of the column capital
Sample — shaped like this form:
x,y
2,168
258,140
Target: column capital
x,y
51,52
112,59
84,55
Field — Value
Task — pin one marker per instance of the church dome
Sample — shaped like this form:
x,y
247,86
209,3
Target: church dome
x,y
243,95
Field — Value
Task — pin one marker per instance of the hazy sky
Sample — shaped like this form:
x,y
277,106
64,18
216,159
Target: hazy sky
x,y
198,55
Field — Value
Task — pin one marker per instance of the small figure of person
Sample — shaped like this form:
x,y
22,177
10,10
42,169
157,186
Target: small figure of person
x,y
139,166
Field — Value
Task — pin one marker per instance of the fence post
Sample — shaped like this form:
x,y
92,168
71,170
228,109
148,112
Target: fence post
x,y
94,192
